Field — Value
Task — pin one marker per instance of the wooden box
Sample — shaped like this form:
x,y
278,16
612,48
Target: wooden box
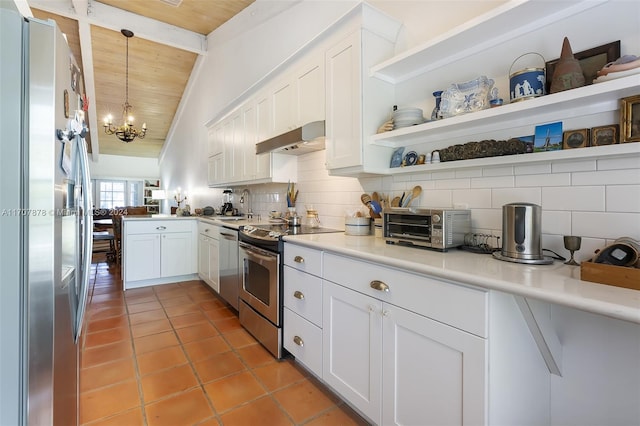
x,y
619,276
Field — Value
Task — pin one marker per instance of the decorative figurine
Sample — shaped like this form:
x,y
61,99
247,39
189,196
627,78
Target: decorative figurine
x,y
568,73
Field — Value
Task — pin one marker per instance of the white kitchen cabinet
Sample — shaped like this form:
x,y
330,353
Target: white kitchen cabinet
x,y
215,170
310,92
215,139
233,147
356,104
302,299
283,106
352,340
208,255
433,374
158,252
404,348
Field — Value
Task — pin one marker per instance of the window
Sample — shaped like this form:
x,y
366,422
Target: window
x,y
117,193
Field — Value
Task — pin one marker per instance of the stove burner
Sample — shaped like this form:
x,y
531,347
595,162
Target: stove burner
x,y
274,232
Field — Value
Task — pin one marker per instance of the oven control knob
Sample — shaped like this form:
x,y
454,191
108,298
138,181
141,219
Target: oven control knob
x,y
435,218
249,229
274,234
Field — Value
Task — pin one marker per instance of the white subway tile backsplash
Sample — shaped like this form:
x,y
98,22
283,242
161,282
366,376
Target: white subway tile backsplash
x,y
576,198
487,219
533,169
434,199
556,222
607,177
444,174
468,173
493,182
497,171
574,166
628,162
474,198
453,184
606,225
623,198
502,196
555,179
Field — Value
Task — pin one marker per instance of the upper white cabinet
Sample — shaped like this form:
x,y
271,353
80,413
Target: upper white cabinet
x,y
356,104
310,92
490,45
283,106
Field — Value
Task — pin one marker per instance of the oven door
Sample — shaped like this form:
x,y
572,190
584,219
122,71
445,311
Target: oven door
x,y
260,280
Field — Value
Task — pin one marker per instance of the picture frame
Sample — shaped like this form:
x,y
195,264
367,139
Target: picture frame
x,y
630,119
548,137
605,135
591,61
576,139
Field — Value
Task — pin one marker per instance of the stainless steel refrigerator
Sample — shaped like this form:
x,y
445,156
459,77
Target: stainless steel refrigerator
x,y
45,223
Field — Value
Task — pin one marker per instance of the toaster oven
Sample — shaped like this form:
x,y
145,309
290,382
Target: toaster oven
x,y
438,229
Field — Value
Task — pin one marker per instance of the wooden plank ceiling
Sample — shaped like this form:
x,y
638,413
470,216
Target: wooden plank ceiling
x,y
158,73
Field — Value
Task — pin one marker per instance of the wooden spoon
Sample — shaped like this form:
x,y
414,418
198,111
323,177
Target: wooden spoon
x,y
395,202
375,196
366,199
416,191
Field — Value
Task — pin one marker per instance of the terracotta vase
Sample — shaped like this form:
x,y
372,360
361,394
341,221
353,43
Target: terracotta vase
x,y
568,73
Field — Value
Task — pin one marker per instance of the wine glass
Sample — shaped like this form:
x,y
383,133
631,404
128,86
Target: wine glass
x,y
572,244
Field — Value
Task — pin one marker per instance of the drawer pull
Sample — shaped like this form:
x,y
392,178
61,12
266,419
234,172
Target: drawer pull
x,y
379,285
298,259
298,295
206,230
161,228
298,341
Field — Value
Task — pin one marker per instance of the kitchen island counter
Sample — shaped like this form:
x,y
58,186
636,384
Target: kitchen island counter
x,y
557,283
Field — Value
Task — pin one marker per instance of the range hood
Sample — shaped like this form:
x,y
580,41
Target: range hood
x,y
302,140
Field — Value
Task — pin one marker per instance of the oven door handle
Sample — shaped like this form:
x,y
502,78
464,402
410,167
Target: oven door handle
x,y
260,254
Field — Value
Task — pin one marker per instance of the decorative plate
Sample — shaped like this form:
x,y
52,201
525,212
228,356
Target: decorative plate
x,y
411,158
396,157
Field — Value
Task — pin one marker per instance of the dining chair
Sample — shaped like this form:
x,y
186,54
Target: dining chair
x,y
116,217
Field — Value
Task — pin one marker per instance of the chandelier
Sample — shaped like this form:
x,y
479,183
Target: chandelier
x,y
125,132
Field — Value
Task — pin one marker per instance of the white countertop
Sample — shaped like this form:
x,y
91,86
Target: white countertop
x,y
157,217
557,283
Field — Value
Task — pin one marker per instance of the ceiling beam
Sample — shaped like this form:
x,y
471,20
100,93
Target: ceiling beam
x,y
115,19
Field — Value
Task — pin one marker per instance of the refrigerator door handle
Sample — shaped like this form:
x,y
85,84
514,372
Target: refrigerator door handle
x,y
87,245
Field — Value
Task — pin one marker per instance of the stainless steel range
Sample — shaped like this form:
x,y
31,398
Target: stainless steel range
x,y
260,260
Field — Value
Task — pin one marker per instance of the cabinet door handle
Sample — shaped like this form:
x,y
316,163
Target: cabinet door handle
x,y
298,259
206,230
379,285
161,228
298,341
298,295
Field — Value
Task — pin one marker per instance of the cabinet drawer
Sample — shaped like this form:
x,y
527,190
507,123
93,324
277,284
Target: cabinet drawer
x,y
454,304
303,294
303,340
303,258
157,226
208,229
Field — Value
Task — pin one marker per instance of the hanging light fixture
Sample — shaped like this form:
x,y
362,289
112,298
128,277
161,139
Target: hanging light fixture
x,y
125,132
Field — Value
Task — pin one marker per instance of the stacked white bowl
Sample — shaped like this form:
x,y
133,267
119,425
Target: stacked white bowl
x,y
405,117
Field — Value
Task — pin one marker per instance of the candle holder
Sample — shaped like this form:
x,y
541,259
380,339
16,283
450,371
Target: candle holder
x,y
179,197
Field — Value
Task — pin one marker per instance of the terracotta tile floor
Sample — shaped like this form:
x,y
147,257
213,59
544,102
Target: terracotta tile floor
x,y
175,354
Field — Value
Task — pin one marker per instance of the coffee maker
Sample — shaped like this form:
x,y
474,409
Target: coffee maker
x,y
227,205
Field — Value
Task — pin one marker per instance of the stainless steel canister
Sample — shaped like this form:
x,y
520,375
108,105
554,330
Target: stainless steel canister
x,y
521,231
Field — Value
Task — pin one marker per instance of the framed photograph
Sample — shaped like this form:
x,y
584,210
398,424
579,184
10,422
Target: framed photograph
x,y
548,137
605,135
575,139
630,119
591,61
528,142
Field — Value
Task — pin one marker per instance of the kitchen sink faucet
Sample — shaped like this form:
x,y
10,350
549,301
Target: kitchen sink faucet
x,y
245,196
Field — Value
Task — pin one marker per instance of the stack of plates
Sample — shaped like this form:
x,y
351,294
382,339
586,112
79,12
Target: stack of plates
x,y
405,117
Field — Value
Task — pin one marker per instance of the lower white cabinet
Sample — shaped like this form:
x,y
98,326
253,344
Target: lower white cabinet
x,y
432,374
158,251
398,367
209,255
